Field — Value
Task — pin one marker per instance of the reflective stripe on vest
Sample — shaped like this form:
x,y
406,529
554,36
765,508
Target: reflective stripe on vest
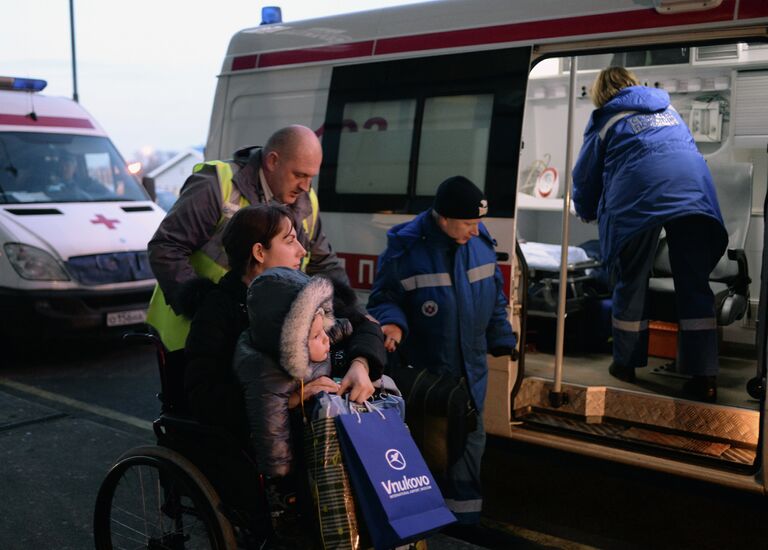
x,y
426,280
623,114
481,272
309,228
613,120
208,262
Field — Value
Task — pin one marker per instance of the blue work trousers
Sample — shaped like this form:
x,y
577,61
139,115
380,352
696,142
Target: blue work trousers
x,y
462,489
691,260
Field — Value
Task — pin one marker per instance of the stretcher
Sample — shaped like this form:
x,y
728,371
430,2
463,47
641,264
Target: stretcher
x,y
585,281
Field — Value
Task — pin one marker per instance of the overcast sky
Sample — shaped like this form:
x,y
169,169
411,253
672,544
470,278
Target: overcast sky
x,y
146,68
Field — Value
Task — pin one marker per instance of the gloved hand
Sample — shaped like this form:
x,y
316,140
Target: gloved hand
x,y
340,330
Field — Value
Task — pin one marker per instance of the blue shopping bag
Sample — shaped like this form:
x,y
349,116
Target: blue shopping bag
x,y
394,489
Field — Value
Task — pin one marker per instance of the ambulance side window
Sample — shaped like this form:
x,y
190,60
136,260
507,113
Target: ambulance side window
x,y
455,132
395,129
375,147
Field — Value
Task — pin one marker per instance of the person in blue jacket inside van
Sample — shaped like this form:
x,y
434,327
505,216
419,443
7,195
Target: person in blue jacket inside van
x,y
639,171
439,292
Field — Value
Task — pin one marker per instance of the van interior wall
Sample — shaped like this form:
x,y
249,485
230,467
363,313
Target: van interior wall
x,y
754,245
547,227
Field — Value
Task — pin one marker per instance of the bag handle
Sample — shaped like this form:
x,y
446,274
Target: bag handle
x,y
372,408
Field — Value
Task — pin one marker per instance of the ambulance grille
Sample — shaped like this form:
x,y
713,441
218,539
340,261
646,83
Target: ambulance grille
x,y
117,267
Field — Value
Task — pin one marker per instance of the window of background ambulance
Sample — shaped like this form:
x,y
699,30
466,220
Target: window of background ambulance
x,y
31,169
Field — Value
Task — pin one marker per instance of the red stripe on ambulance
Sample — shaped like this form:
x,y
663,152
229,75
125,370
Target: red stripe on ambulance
x,y
310,55
554,28
513,32
361,269
58,121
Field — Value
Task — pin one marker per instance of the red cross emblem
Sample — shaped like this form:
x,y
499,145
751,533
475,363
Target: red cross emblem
x,y
106,221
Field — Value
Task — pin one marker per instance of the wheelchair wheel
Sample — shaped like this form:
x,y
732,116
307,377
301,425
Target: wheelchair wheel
x,y
154,498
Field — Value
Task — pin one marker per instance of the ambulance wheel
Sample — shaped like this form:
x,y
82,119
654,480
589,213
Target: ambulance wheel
x,y
155,498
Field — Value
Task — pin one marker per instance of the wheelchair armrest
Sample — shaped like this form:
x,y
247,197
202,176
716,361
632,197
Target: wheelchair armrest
x,y
740,282
173,426
147,338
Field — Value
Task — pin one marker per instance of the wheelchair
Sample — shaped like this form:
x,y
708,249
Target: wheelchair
x,y
197,488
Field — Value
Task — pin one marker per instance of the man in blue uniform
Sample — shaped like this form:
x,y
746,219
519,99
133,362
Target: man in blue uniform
x,y
639,170
439,292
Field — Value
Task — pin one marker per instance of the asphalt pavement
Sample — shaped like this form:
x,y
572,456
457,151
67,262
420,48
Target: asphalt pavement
x,y
67,414
55,451
53,462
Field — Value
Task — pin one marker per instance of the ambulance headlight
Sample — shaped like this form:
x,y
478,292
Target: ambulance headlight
x,y
33,263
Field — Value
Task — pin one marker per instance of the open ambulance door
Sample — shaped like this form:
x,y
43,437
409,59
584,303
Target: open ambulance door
x,y
717,84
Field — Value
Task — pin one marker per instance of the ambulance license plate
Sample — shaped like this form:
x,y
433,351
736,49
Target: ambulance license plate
x,y
132,317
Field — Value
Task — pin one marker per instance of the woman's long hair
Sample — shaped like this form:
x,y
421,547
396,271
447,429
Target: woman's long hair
x,y
610,82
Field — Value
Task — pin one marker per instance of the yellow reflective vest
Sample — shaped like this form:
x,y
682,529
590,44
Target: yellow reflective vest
x,y
172,328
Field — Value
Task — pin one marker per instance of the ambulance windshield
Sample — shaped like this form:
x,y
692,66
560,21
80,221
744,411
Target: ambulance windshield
x,y
45,168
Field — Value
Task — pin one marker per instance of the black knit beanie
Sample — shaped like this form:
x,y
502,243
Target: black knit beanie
x,y
459,198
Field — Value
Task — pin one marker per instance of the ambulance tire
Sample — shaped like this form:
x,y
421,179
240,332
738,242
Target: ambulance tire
x,y
155,498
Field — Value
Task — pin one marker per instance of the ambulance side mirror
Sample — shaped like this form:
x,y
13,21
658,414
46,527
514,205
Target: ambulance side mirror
x,y
149,184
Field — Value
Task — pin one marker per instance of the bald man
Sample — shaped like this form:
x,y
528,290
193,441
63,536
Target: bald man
x,y
188,242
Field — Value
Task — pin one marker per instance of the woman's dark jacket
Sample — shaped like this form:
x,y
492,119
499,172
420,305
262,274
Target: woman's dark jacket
x,y
219,316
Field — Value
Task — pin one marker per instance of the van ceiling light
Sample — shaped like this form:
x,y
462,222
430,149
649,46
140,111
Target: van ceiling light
x,y
679,6
271,14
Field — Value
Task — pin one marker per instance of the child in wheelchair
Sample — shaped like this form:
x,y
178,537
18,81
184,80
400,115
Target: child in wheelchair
x,y
281,361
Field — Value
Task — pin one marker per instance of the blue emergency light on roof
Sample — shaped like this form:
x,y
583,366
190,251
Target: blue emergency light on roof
x,y
271,14
22,84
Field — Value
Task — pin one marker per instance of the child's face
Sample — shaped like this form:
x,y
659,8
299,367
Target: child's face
x,y
319,345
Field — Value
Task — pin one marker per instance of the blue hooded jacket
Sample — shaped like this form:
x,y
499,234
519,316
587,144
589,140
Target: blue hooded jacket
x,y
447,298
639,168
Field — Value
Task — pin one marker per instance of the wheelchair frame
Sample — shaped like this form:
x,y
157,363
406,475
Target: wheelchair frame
x,y
169,495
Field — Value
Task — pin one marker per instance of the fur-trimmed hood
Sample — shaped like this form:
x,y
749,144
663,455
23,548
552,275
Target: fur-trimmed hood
x,y
281,306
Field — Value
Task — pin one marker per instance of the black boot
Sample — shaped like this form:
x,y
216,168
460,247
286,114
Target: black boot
x,y
288,528
627,374
701,388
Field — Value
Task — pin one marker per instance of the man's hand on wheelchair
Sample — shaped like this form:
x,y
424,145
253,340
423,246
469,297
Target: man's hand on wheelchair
x,y
357,382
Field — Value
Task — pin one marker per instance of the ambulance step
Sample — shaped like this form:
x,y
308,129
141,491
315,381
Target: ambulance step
x,y
723,432
626,434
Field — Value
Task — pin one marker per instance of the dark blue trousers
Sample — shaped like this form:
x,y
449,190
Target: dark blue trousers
x,y
692,260
462,490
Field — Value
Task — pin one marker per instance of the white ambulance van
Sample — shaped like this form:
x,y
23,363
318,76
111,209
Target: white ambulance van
x,y
74,224
498,91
